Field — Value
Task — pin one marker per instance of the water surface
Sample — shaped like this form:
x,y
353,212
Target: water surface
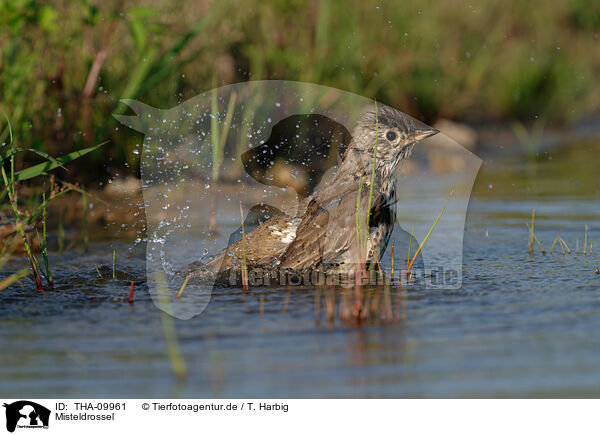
x,y
520,326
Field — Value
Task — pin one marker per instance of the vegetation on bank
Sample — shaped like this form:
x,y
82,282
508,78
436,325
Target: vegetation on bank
x,y
64,65
26,219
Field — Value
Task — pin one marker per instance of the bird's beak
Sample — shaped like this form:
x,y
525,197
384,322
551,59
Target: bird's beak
x,y
423,133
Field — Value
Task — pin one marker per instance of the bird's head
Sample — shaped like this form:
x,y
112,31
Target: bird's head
x,y
390,134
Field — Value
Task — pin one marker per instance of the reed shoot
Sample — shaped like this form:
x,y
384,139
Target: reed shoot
x,y
376,255
218,140
359,232
131,293
13,278
9,183
185,281
393,243
532,234
531,231
539,243
554,243
565,245
244,264
44,243
410,266
373,168
363,234
412,233
11,178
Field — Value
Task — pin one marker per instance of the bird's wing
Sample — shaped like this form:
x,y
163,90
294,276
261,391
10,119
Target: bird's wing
x,y
266,241
327,234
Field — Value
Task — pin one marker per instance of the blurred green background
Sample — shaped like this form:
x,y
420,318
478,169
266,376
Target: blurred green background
x,y
65,64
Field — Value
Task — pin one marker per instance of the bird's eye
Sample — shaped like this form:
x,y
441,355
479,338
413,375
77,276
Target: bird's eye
x,y
391,135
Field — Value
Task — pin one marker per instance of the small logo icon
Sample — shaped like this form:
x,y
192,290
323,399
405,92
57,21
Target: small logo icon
x,y
26,414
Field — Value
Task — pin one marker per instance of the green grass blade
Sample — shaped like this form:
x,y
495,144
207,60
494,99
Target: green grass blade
x,y
412,233
358,220
15,150
97,270
428,234
227,124
14,278
373,169
554,243
37,170
166,65
214,131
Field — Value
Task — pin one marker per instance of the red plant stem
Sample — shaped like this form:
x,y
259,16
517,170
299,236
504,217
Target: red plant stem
x,y
131,293
393,243
244,281
358,276
38,281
